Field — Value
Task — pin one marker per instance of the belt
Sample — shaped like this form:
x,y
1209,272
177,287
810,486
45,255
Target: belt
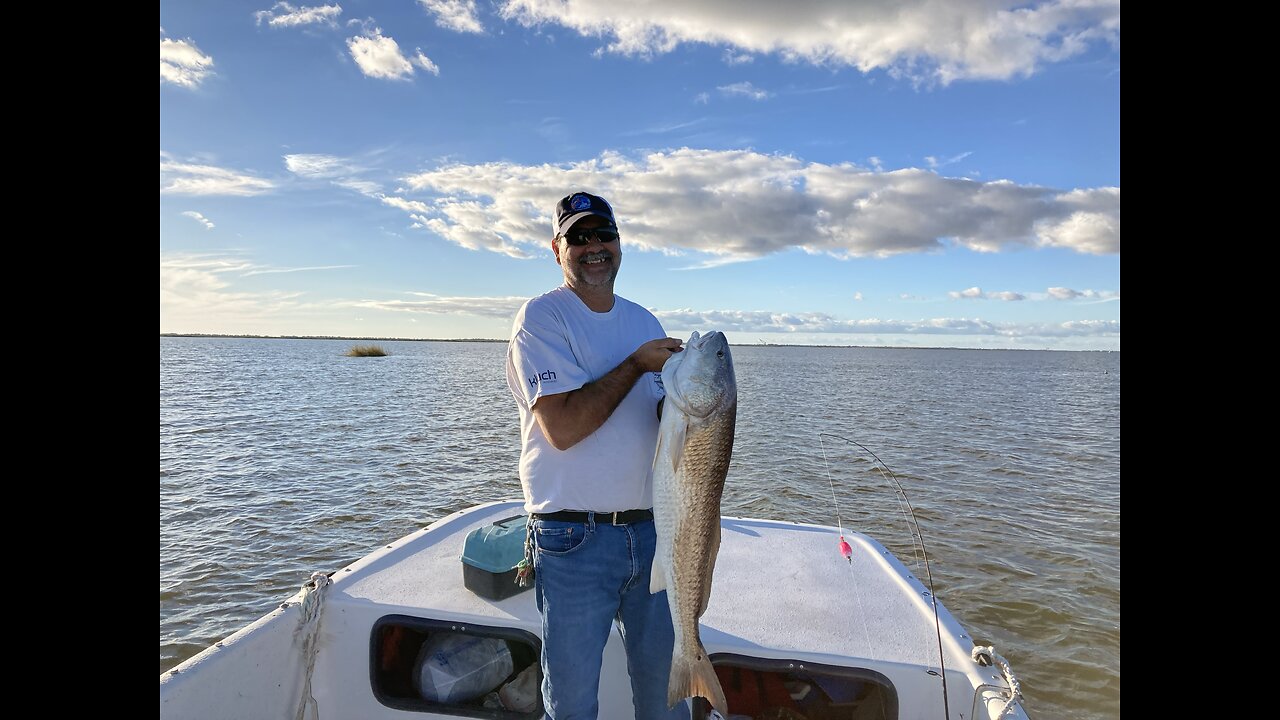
x,y
620,517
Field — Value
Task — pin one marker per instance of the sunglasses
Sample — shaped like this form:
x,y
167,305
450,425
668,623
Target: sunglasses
x,y
579,238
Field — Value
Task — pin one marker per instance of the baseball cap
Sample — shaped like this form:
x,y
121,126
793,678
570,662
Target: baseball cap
x,y
573,208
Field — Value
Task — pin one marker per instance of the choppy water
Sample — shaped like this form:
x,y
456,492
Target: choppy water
x,y
282,457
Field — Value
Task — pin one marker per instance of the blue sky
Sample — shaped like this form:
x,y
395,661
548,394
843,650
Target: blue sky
x,y
824,172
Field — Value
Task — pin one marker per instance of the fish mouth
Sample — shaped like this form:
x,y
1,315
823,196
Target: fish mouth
x,y
698,342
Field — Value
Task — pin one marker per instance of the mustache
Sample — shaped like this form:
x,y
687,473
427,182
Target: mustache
x,y
602,255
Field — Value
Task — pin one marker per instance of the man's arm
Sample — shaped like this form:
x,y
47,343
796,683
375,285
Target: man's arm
x,y
567,418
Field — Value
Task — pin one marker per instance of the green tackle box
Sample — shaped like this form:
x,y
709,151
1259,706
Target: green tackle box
x,y
490,556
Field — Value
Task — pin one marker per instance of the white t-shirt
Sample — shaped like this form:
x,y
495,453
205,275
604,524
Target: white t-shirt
x,y
558,344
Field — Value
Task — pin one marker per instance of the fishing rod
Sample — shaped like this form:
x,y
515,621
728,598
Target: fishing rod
x,y
917,537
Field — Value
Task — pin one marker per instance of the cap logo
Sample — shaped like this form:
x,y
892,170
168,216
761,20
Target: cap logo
x,y
581,202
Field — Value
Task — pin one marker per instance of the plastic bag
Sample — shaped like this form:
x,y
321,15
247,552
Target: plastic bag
x,y
454,668
522,693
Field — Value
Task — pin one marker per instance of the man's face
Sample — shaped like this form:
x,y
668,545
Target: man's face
x,y
592,265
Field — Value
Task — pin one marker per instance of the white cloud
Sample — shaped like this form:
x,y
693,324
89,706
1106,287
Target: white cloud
x,y
740,205
1053,293
678,321
458,15
815,90
1092,225
734,58
206,222
379,56
503,308
857,296
183,64
364,187
1062,293
702,98
410,206
180,178
925,40
282,14
195,292
745,89
975,293
424,62
317,165
475,226
277,271
198,293
935,163
339,171
662,129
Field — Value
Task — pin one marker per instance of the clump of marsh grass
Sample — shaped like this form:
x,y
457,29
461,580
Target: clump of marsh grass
x,y
366,351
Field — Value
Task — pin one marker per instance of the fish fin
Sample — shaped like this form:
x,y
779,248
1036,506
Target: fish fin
x,y
711,570
658,577
671,432
695,677
680,428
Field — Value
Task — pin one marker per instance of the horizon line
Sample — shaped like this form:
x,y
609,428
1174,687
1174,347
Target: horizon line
x,y
498,340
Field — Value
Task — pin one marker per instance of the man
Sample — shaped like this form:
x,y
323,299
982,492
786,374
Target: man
x,y
585,368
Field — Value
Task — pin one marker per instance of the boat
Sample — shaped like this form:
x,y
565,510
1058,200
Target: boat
x,y
794,629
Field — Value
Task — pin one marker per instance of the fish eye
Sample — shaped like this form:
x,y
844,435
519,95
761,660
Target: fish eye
x,y
719,353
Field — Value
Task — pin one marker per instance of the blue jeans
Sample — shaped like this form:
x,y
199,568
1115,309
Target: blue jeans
x,y
588,574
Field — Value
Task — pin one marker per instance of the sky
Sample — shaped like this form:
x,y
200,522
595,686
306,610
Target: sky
x,y
936,173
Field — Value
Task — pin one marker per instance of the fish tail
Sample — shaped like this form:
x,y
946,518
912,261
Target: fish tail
x,y
694,676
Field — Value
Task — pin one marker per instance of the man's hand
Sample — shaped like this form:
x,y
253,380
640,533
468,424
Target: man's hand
x,y
652,355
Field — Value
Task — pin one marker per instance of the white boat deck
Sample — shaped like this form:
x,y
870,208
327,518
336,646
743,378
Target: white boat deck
x,y
781,591
804,598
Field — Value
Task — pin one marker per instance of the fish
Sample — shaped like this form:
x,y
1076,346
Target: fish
x,y
695,444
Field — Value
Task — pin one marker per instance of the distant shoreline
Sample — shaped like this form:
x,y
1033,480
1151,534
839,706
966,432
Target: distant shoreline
x,y
330,337
495,340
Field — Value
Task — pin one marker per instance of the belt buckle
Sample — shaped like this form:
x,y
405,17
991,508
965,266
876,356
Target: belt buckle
x,y
615,517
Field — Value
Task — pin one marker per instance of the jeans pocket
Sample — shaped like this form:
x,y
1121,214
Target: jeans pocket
x,y
555,538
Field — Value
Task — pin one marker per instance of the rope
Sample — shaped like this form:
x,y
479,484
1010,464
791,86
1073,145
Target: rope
x,y
989,654
311,606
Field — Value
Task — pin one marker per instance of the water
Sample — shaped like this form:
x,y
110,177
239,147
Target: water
x,y
282,457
